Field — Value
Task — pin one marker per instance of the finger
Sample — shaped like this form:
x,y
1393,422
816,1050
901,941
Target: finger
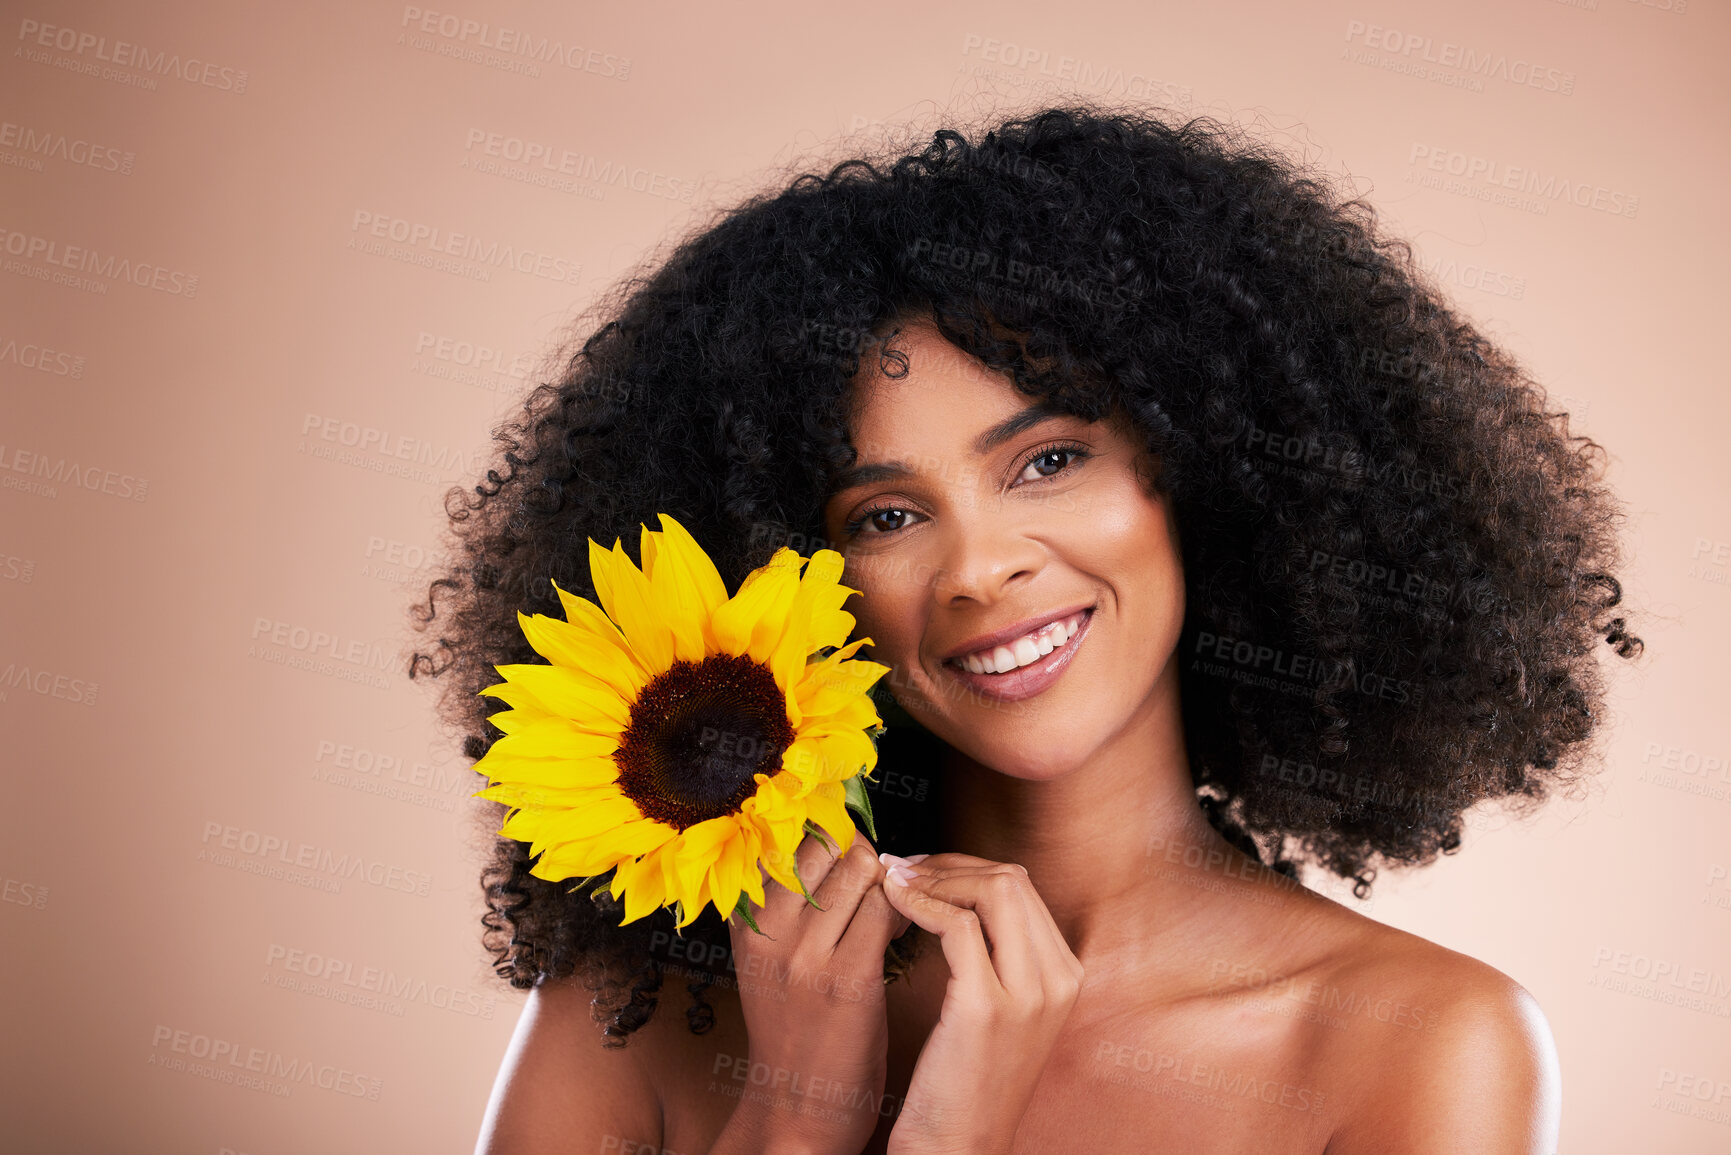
x,y
958,932
1054,951
999,896
812,860
949,860
868,935
939,865
1053,956
838,897
1058,961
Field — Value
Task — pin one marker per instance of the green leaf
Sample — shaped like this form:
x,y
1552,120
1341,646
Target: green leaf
x,y
820,834
808,898
811,828
743,909
858,800
606,878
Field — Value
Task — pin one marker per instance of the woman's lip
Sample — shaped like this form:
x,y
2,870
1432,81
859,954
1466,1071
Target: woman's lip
x,y
1026,681
1009,634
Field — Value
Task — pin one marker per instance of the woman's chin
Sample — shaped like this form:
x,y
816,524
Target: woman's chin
x,y
1024,760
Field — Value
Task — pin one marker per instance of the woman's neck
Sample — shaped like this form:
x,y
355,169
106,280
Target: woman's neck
x,y
1122,854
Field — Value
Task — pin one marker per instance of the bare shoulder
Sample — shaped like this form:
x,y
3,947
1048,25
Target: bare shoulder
x,y
560,1089
1450,1054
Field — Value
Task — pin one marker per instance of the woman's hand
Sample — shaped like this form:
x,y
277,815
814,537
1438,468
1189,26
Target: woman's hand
x,y
812,991
1013,980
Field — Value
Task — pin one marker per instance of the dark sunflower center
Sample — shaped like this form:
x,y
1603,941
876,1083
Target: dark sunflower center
x,y
697,735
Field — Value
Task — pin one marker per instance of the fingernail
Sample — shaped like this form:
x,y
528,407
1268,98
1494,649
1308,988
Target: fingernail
x,y
898,875
892,860
918,858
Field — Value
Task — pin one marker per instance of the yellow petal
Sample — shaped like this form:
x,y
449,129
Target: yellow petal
x,y
525,709
570,693
563,825
582,647
780,819
551,736
624,593
577,772
827,806
835,711
639,882
685,586
532,794
729,866
582,614
836,683
510,721
692,855
829,755
582,858
750,623
778,864
789,659
830,626
673,891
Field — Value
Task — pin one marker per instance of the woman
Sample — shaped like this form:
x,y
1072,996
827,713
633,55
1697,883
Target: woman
x,y
1201,538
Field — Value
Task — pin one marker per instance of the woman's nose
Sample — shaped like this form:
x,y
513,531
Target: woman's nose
x,y
985,557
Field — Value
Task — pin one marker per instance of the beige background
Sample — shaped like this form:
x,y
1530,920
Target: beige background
x,y
202,603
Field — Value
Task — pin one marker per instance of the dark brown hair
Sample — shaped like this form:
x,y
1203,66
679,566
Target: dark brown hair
x,y
1399,565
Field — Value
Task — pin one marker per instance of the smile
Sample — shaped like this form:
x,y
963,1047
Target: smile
x,y
1025,650
1025,665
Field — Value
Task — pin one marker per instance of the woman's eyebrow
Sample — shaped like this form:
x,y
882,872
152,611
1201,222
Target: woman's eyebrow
x,y
1015,423
987,441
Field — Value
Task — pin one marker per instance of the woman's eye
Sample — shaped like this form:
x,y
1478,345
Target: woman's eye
x,y
1050,462
882,520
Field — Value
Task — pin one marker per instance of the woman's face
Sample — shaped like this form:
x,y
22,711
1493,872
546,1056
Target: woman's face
x,y
1019,575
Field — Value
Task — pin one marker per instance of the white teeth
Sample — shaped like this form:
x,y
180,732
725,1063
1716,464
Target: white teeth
x,y
1025,650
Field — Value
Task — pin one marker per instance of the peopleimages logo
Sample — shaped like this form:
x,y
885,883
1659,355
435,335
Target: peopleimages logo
x,y
1491,174
47,683
342,980
41,358
89,48
513,45
83,259
228,1061
46,144
222,843
424,243
558,160
53,471
1474,62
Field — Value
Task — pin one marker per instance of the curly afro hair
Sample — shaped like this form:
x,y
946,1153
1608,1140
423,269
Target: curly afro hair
x,y
1398,564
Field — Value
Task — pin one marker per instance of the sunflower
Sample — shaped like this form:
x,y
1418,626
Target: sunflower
x,y
681,738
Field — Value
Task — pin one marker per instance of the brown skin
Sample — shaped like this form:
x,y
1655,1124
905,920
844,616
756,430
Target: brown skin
x,y
811,987
1113,975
